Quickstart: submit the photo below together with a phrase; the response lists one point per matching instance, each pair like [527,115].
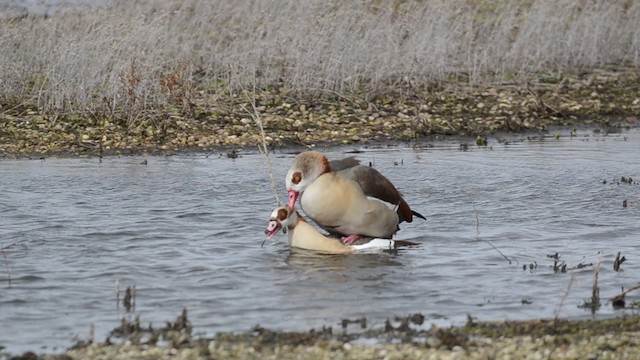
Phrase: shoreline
[400,337]
[210,123]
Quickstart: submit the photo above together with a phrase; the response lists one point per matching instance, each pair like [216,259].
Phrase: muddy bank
[205,121]
[399,338]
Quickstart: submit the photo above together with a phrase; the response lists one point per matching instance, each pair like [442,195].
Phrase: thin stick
[6,264]
[263,150]
[564,296]
[117,292]
[626,292]
[618,300]
[133,297]
[485,241]
[595,292]
[618,261]
[92,332]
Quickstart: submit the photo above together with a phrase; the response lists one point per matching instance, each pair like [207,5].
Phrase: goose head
[306,168]
[283,217]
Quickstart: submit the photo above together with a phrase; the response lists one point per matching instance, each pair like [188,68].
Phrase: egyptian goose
[303,235]
[346,198]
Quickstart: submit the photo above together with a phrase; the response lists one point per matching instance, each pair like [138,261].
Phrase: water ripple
[186,231]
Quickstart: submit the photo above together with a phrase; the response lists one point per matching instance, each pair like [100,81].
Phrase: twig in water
[564,296]
[117,292]
[6,265]
[134,296]
[92,332]
[618,261]
[263,150]
[129,301]
[594,303]
[618,300]
[485,241]
[561,265]
[595,291]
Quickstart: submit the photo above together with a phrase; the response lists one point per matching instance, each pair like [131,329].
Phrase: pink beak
[272,229]
[293,196]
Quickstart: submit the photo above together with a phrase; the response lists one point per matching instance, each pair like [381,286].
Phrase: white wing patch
[375,245]
[391,206]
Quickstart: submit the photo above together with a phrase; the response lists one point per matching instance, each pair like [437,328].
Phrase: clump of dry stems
[131,56]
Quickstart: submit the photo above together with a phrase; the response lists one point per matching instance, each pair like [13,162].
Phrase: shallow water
[187,229]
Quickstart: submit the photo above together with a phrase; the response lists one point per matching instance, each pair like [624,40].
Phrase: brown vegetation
[173,73]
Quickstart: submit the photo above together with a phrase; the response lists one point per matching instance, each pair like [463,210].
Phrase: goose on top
[346,198]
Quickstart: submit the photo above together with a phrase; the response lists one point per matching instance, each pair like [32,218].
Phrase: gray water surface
[187,229]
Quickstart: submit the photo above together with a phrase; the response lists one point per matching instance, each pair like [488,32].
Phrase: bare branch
[264,150]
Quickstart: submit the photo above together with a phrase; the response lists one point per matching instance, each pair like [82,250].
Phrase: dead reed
[129,57]
[595,289]
[564,296]
[618,261]
[129,300]
[477,216]
[619,302]
[262,146]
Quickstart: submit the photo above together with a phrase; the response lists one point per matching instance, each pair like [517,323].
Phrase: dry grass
[133,56]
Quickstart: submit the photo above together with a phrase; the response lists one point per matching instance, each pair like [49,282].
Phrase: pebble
[391,118]
[623,345]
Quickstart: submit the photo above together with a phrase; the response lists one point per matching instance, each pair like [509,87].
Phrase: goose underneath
[303,235]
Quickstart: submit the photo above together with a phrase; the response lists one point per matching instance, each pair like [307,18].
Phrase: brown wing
[376,185]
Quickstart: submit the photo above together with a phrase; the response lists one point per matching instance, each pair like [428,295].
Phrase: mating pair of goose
[349,200]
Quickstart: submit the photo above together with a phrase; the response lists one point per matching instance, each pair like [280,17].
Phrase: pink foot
[348,240]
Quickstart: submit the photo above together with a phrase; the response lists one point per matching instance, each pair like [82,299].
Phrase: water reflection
[309,261]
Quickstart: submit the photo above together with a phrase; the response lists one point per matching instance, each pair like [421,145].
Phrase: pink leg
[348,240]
